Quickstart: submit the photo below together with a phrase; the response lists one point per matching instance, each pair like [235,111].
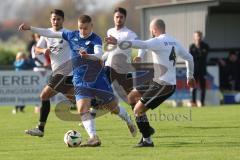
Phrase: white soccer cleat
[35,132]
[133,129]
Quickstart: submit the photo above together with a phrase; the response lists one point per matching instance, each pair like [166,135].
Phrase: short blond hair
[84,19]
[20,55]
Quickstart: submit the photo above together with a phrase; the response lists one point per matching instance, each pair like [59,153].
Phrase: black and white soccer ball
[72,138]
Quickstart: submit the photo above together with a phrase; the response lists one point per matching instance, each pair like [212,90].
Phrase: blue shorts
[99,89]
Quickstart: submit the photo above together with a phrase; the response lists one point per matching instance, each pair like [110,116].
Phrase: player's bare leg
[141,118]
[45,95]
[70,96]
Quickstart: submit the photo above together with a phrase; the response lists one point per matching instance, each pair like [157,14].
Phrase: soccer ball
[72,138]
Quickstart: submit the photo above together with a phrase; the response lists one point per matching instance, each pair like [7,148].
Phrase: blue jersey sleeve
[97,40]
[66,35]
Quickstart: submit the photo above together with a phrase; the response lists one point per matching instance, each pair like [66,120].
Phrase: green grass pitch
[209,133]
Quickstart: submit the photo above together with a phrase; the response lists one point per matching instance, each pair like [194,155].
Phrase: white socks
[89,124]
[148,140]
[124,115]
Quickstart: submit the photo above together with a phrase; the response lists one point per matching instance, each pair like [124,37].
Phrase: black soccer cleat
[152,131]
[141,143]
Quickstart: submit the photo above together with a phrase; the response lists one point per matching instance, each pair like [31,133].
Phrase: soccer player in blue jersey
[89,79]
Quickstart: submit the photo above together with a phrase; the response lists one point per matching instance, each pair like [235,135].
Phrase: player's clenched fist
[24,27]
[110,40]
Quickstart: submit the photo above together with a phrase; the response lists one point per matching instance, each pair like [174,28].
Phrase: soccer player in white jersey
[89,78]
[117,61]
[164,51]
[61,78]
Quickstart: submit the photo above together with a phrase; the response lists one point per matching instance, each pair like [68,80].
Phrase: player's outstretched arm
[24,27]
[184,54]
[148,44]
[41,31]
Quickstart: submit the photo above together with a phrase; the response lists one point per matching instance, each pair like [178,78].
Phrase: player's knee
[131,99]
[136,112]
[44,96]
[82,109]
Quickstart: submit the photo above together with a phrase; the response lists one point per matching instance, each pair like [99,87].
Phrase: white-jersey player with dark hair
[164,51]
[118,61]
[61,78]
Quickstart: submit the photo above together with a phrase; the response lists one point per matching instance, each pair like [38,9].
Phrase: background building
[217,19]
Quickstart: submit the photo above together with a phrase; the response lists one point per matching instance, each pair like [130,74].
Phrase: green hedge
[7,57]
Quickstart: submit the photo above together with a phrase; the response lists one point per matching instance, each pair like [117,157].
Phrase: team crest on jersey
[87,43]
[75,39]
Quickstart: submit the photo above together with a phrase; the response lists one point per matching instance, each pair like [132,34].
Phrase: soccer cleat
[35,132]
[152,131]
[140,143]
[92,142]
[194,104]
[133,129]
[144,144]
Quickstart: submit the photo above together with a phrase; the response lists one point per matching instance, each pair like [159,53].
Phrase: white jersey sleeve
[46,32]
[98,51]
[152,44]
[133,36]
[184,54]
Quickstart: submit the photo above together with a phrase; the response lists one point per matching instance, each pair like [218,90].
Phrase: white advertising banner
[23,87]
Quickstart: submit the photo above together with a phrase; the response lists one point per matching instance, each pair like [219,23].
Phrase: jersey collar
[85,37]
[123,28]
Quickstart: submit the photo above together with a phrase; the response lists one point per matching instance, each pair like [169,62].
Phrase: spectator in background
[230,73]
[30,45]
[22,63]
[199,51]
